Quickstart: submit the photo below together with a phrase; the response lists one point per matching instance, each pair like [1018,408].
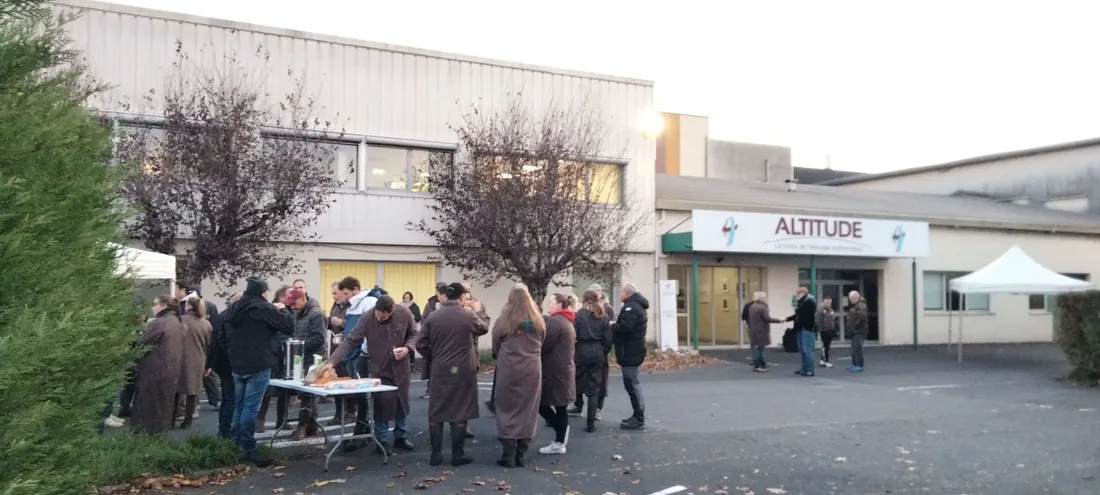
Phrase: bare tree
[528,197]
[236,175]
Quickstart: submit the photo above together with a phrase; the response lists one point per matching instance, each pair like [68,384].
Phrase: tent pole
[950,337]
[960,343]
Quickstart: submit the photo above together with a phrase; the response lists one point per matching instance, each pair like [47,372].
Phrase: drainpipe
[914,265]
[657,219]
[695,301]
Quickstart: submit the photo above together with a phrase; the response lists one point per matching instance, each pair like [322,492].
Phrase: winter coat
[433,304]
[252,327]
[158,375]
[859,322]
[415,310]
[309,326]
[217,358]
[760,320]
[590,358]
[359,304]
[804,313]
[196,344]
[629,331]
[559,372]
[400,330]
[447,341]
[825,320]
[518,380]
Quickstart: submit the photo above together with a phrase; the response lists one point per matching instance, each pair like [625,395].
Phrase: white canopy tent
[145,265]
[1013,273]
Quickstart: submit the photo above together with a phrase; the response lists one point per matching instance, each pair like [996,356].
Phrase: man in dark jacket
[858,326]
[309,327]
[252,325]
[217,362]
[628,338]
[804,314]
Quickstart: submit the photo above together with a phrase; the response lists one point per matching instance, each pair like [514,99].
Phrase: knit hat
[294,294]
[256,286]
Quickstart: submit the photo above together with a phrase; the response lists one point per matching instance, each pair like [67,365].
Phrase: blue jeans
[400,428]
[227,407]
[806,341]
[758,356]
[248,392]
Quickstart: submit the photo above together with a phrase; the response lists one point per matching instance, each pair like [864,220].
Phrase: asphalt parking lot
[915,422]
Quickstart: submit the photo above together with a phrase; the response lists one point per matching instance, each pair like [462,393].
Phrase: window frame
[1048,299]
[409,169]
[946,294]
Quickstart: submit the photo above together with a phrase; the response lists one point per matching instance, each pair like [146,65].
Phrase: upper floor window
[404,169]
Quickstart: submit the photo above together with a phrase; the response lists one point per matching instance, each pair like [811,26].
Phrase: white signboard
[667,312]
[744,232]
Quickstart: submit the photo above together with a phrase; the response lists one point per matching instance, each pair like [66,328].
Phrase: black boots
[458,444]
[593,411]
[509,455]
[357,443]
[521,451]
[435,434]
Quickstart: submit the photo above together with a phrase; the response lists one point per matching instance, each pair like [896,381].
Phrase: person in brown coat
[433,303]
[517,344]
[196,343]
[390,331]
[760,330]
[158,372]
[447,341]
[559,385]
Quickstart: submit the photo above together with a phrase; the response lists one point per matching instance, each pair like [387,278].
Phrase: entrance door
[726,307]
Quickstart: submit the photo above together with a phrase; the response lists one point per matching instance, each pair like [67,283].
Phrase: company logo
[729,230]
[899,238]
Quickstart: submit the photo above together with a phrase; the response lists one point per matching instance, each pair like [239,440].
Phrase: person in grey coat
[309,327]
[857,327]
[760,330]
[825,321]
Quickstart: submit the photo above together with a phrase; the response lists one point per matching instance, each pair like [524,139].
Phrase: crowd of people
[548,363]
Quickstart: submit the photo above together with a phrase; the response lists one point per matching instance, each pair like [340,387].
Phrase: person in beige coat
[760,330]
[517,344]
[196,343]
[559,372]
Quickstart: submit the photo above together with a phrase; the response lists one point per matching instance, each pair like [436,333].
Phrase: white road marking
[670,490]
[928,387]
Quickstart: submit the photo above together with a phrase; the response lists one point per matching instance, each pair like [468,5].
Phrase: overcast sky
[877,85]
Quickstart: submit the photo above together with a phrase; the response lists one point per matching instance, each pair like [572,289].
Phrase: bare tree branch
[529,198]
[211,174]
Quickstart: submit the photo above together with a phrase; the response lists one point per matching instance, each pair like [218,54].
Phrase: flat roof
[977,160]
[675,192]
[324,38]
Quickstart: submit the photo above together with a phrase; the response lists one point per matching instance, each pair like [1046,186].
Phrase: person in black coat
[217,364]
[593,326]
[804,315]
[628,338]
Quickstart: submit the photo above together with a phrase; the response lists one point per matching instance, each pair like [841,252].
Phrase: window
[402,169]
[938,297]
[345,157]
[1046,302]
[606,183]
[140,142]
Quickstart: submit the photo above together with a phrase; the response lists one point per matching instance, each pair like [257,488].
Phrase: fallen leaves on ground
[278,490]
[400,475]
[278,474]
[349,468]
[426,482]
[319,483]
[503,486]
[391,485]
[671,360]
[159,483]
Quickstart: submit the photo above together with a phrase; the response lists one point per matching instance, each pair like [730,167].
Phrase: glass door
[682,276]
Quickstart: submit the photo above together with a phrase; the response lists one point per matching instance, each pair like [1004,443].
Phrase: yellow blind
[335,271]
[607,183]
[417,278]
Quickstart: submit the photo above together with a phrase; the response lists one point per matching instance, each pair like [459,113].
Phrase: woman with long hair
[197,333]
[517,344]
[593,327]
[558,370]
[158,371]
